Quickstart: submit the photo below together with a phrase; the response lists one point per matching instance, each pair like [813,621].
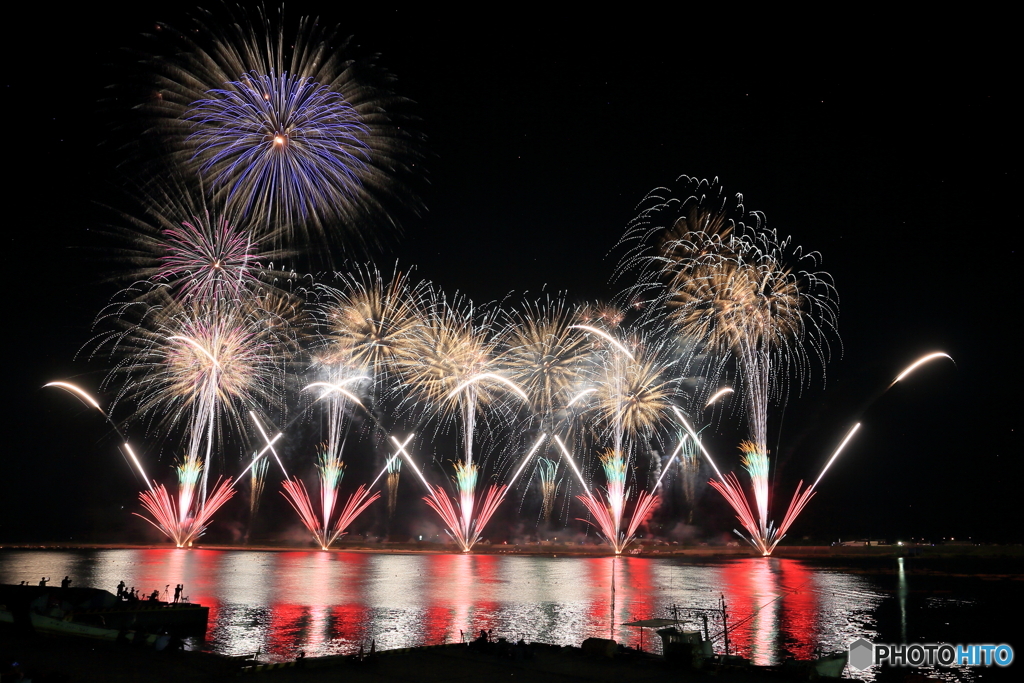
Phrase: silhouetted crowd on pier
[133,595]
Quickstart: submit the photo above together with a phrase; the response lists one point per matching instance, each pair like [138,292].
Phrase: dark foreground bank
[66,660]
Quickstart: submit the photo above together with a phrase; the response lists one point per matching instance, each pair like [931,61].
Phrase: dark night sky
[889,150]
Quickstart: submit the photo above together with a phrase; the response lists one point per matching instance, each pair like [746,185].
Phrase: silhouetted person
[177,592]
[155,595]
[42,581]
[66,583]
[120,591]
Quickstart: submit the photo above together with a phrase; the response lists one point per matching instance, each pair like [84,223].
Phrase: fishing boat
[693,648]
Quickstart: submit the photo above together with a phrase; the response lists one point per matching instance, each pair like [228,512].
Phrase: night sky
[888,145]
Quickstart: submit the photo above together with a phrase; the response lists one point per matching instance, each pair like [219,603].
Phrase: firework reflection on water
[334,602]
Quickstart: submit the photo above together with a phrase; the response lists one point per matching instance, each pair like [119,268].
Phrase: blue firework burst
[280,139]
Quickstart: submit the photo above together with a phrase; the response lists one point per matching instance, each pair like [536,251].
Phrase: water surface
[280,603]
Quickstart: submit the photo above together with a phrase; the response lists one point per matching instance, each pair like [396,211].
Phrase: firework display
[385,353]
[230,365]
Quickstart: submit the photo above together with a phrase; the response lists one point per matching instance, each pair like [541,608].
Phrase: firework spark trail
[269,442]
[257,482]
[614,467]
[730,488]
[394,469]
[849,435]
[494,378]
[465,480]
[257,457]
[671,460]
[607,337]
[572,464]
[408,458]
[298,497]
[330,387]
[718,394]
[442,505]
[438,499]
[78,391]
[549,485]
[689,463]
[395,461]
[802,497]
[90,401]
[138,465]
[354,506]
[755,462]
[921,361]
[188,476]
[496,495]
[331,470]
[579,396]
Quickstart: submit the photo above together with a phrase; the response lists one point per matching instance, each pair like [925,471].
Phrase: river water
[321,603]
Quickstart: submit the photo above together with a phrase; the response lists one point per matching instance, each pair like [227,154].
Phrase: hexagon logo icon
[861,654]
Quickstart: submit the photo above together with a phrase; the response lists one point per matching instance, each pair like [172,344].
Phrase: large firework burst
[635,390]
[368,322]
[738,291]
[187,248]
[281,126]
[546,354]
[193,365]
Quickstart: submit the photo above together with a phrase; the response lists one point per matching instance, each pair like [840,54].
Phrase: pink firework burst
[323,530]
[180,521]
[608,524]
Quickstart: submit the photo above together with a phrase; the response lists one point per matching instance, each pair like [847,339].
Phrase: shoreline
[697,553]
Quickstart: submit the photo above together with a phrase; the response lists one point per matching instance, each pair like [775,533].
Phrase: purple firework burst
[207,258]
[283,127]
[280,139]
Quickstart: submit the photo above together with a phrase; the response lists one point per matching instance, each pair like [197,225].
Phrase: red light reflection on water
[197,568]
[280,603]
[631,598]
[799,615]
[482,574]
[772,607]
[444,598]
[316,604]
[457,597]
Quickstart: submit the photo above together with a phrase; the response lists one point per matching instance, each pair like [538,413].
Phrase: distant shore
[695,553]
